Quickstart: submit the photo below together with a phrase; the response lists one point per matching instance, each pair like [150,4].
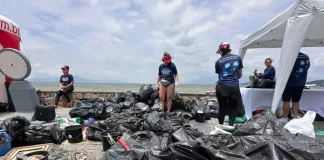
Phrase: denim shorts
[167,84]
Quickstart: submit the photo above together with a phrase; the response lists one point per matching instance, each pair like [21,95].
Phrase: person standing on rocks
[166,81]
[295,86]
[229,70]
[66,86]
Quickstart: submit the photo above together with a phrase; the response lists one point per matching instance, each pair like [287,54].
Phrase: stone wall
[48,97]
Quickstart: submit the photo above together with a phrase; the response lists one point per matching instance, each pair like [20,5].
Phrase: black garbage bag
[97,111]
[178,103]
[141,107]
[265,123]
[145,93]
[132,123]
[137,152]
[213,108]
[44,134]
[186,133]
[85,102]
[213,141]
[156,106]
[94,131]
[176,119]
[156,123]
[148,140]
[116,97]
[131,97]
[199,110]
[241,108]
[186,151]
[125,105]
[272,147]
[116,120]
[112,107]
[15,127]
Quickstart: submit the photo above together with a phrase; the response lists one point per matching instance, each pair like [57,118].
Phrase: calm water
[185,88]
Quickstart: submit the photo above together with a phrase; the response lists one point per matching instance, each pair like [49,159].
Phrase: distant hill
[317,82]
[77,79]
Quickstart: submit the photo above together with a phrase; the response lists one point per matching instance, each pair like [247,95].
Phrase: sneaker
[283,120]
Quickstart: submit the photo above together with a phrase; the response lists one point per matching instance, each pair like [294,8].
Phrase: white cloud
[125,39]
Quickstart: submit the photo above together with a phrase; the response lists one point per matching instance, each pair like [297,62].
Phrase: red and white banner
[9,38]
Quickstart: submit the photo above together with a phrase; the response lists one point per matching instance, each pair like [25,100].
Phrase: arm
[61,86]
[240,68]
[267,73]
[159,76]
[72,81]
[240,73]
[175,72]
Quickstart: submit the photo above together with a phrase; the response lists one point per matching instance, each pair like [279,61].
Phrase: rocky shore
[49,96]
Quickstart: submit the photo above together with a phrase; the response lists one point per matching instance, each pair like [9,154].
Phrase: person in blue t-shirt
[295,86]
[229,70]
[66,86]
[166,81]
[269,72]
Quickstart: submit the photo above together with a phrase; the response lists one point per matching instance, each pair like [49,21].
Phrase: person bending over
[66,86]
[295,86]
[229,70]
[166,81]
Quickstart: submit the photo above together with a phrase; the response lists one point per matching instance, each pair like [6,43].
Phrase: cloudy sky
[125,39]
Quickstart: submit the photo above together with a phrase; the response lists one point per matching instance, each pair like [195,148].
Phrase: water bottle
[5,143]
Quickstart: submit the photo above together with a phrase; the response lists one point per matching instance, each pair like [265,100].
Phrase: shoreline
[48,97]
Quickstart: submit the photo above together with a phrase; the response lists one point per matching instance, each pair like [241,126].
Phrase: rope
[33,67]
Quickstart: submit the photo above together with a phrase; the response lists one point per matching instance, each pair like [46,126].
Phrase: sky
[125,39]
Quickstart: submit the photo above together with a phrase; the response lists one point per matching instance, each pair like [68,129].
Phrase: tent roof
[272,34]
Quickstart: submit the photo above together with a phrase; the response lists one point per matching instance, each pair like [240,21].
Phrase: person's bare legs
[162,92]
[170,91]
[295,108]
[286,109]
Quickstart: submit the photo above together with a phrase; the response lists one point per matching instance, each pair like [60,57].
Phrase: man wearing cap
[229,70]
[66,86]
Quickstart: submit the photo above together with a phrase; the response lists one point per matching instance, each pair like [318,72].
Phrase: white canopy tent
[301,25]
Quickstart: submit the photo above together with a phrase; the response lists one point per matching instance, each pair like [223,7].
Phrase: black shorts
[292,94]
[223,91]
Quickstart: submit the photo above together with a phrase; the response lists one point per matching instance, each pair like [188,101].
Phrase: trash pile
[132,127]
[22,134]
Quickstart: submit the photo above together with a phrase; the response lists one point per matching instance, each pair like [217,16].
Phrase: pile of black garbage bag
[22,133]
[261,137]
[146,100]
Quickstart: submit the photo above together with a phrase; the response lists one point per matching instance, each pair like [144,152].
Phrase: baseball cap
[224,45]
[65,67]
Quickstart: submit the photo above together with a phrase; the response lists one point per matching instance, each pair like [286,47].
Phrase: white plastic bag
[303,125]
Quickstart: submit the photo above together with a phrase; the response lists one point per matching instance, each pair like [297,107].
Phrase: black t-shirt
[168,71]
[66,79]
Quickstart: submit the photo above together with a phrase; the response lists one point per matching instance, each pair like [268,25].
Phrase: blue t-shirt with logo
[298,75]
[227,67]
[66,79]
[168,71]
[269,73]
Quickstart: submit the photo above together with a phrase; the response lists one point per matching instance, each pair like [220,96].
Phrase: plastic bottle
[5,143]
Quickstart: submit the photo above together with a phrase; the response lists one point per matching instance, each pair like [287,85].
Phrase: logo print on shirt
[302,62]
[65,79]
[227,65]
[301,70]
[225,73]
[236,63]
[165,72]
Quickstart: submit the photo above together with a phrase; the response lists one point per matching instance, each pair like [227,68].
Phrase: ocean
[104,87]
